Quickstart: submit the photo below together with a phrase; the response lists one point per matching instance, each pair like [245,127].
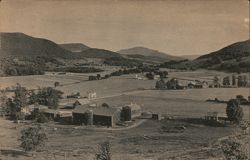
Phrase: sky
[177,27]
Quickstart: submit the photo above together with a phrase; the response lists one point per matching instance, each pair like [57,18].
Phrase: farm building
[96,115]
[72,103]
[64,117]
[50,113]
[135,110]
[91,95]
[157,116]
[30,108]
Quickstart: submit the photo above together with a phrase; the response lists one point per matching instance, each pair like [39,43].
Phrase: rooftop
[110,111]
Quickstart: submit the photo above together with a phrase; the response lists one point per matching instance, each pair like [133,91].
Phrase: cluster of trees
[47,96]
[126,71]
[15,104]
[150,75]
[239,67]
[162,74]
[22,97]
[170,64]
[22,70]
[170,84]
[242,81]
[121,61]
[76,69]
[97,77]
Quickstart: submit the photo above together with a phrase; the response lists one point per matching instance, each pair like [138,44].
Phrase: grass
[165,139]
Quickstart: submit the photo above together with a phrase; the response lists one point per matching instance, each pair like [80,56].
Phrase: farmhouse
[96,115]
[91,95]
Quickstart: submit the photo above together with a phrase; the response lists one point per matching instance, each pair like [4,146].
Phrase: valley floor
[182,137]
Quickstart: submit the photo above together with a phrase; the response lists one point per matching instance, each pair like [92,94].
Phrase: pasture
[165,139]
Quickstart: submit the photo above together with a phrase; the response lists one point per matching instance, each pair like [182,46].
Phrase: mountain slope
[148,54]
[98,53]
[190,57]
[239,49]
[232,58]
[74,47]
[19,44]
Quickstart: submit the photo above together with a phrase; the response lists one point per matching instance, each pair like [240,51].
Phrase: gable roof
[110,111]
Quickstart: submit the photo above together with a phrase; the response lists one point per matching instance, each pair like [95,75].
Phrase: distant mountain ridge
[74,47]
[148,53]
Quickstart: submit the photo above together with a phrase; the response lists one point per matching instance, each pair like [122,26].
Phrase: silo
[89,117]
[126,113]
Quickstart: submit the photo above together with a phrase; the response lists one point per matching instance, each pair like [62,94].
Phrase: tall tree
[20,97]
[160,84]
[3,102]
[226,81]
[234,111]
[233,80]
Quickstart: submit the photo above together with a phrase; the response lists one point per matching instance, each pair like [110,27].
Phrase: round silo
[126,113]
[89,117]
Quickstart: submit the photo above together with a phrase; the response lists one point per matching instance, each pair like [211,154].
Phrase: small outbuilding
[135,110]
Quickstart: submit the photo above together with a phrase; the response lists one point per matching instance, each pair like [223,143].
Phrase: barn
[96,115]
[106,116]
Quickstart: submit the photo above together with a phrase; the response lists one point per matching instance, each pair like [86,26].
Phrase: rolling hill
[74,47]
[145,54]
[232,58]
[19,44]
[98,53]
[21,54]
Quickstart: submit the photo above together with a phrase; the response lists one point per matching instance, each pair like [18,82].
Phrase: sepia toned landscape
[122,98]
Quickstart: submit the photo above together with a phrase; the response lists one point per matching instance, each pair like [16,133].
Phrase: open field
[158,140]
[166,139]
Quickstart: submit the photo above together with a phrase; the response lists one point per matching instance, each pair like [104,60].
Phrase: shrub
[104,151]
[33,138]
